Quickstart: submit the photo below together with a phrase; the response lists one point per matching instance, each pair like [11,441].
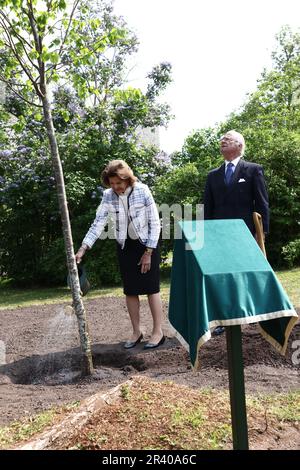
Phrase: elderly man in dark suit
[236,189]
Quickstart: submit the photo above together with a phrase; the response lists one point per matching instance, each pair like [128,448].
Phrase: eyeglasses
[229,139]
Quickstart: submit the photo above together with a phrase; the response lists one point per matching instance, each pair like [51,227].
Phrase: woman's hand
[145,262]
[263,237]
[80,254]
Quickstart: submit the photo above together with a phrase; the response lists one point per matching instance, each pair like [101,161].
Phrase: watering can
[83,280]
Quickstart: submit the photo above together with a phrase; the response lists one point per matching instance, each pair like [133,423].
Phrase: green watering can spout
[83,280]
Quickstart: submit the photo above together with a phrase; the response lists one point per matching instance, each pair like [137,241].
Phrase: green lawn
[12,298]
[291,283]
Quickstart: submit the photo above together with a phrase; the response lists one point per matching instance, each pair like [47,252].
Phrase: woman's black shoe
[132,344]
[155,345]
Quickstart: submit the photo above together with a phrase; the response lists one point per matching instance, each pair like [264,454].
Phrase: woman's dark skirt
[134,282]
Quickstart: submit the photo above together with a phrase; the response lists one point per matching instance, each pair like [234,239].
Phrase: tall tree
[275,102]
[35,38]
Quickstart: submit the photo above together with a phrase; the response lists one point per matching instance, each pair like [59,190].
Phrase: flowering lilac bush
[95,119]
[31,246]
[27,202]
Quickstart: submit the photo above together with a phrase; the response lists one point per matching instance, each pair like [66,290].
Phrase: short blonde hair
[118,168]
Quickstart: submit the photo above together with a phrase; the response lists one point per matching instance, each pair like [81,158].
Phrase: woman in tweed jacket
[131,206]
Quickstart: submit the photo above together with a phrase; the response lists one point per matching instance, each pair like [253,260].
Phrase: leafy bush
[291,253]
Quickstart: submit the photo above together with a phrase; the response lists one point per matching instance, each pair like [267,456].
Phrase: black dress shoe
[219,330]
[132,344]
[155,345]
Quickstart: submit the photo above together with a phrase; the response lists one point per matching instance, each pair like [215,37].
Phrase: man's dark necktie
[229,173]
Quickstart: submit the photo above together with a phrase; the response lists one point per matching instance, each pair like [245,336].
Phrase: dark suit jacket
[241,198]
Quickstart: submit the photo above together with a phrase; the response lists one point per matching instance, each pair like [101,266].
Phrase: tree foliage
[270,123]
[96,118]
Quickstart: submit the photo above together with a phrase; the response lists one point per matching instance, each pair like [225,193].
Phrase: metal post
[237,388]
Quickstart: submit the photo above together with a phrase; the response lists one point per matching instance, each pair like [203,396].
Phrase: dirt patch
[188,419]
[42,358]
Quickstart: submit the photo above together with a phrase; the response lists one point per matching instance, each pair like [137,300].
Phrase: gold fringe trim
[248,320]
[281,349]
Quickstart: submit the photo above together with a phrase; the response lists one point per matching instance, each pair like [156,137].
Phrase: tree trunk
[87,364]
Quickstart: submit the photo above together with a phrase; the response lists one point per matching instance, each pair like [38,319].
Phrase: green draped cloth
[226,280]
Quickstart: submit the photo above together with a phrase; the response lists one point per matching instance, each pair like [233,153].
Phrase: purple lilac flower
[6,153]
[25,150]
